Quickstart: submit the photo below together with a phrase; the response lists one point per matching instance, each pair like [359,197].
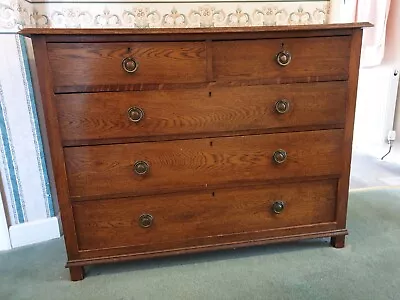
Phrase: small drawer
[153,167]
[116,65]
[185,219]
[299,59]
[95,117]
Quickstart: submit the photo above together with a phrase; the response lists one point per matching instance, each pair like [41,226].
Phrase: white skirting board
[4,236]
[34,232]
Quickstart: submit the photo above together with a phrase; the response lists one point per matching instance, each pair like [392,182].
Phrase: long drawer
[108,64]
[101,116]
[188,217]
[310,58]
[154,167]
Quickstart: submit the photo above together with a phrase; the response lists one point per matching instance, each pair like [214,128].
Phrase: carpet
[367,268]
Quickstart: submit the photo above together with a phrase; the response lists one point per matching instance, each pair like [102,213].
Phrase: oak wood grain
[195,85]
[99,117]
[281,235]
[101,63]
[190,31]
[202,163]
[208,134]
[211,134]
[227,36]
[247,60]
[115,223]
[343,186]
[54,153]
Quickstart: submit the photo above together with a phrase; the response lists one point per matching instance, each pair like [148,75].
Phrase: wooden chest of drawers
[170,141]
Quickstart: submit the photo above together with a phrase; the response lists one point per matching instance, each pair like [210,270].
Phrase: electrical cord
[390,149]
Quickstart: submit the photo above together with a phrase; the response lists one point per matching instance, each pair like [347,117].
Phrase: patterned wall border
[20,13]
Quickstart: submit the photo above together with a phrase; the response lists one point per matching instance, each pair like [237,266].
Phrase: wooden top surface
[135,31]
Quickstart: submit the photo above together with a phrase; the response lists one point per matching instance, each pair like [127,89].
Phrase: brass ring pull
[278,207]
[282,106]
[130,65]
[135,114]
[141,167]
[283,58]
[146,220]
[280,156]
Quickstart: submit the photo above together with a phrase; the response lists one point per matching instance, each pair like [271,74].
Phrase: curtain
[374,39]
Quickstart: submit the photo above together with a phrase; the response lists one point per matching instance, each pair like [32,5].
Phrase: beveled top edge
[151,31]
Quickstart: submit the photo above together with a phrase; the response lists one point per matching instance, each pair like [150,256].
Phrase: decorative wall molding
[19,13]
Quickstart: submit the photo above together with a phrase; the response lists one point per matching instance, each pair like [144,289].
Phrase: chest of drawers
[171,141]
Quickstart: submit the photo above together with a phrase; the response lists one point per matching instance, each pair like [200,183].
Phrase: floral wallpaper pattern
[15,14]
[19,13]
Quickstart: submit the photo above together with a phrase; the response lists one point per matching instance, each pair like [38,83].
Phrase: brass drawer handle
[282,106]
[130,65]
[280,156]
[146,220]
[283,58]
[278,207]
[141,167]
[135,114]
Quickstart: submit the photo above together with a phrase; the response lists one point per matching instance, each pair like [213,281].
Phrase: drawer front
[154,220]
[99,116]
[257,60]
[200,164]
[101,64]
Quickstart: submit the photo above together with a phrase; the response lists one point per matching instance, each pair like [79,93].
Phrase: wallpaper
[22,163]
[18,13]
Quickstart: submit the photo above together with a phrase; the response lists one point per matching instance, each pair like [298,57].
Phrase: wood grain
[102,116]
[114,223]
[227,36]
[343,186]
[322,56]
[200,164]
[209,134]
[195,85]
[191,31]
[101,63]
[237,241]
[54,153]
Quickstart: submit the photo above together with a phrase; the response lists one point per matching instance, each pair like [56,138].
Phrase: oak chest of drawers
[170,141]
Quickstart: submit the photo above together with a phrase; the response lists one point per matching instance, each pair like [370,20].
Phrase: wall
[392,57]
[376,96]
[178,14]
[377,92]
[23,170]
[4,235]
